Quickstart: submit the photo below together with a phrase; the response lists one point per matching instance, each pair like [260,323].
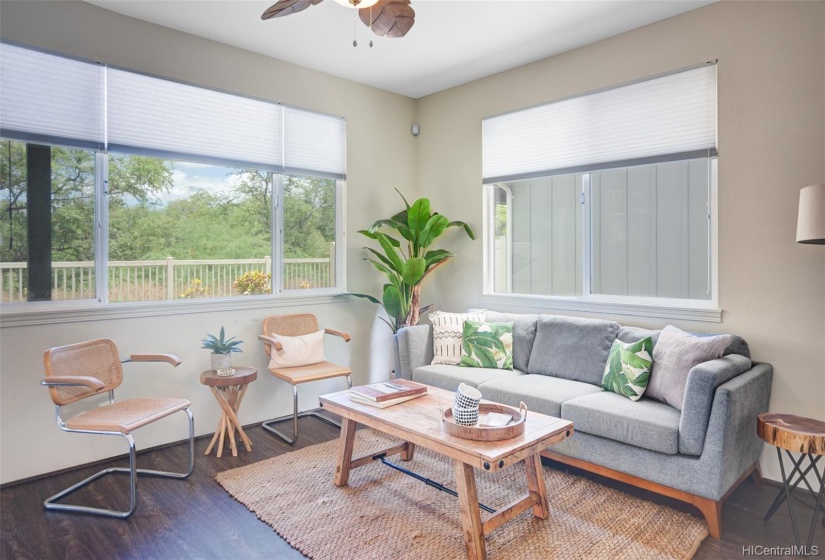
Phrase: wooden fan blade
[286,7]
[392,18]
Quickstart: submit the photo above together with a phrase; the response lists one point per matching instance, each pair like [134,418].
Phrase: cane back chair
[84,369]
[299,325]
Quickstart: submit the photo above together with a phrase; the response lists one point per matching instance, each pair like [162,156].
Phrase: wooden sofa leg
[712,510]
[757,474]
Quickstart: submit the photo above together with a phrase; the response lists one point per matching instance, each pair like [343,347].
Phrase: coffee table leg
[408,452]
[470,515]
[536,486]
[345,445]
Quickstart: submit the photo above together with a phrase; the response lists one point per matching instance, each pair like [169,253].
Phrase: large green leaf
[407,204]
[364,296]
[391,274]
[381,257]
[436,256]
[386,223]
[390,239]
[414,270]
[401,217]
[466,227]
[392,254]
[392,300]
[418,215]
[435,227]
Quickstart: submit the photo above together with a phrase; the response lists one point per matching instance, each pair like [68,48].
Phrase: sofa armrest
[700,389]
[413,348]
[732,444]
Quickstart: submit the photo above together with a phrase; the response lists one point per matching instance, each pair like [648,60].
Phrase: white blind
[48,98]
[147,114]
[673,114]
[314,143]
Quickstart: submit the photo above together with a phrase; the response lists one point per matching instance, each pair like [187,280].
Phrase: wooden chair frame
[96,386]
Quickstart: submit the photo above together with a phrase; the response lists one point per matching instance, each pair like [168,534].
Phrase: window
[195,193]
[47,216]
[608,197]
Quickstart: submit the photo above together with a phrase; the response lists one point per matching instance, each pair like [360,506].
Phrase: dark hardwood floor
[196,518]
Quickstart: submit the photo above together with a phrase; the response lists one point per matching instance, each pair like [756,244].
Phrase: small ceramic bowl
[467,396]
[465,416]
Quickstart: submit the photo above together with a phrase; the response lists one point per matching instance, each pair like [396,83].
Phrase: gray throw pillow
[572,347]
[675,354]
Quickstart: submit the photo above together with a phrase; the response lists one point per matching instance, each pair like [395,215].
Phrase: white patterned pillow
[447,331]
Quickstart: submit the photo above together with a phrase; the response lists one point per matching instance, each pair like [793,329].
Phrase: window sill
[668,309]
[48,313]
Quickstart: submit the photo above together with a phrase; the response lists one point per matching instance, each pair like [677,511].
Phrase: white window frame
[669,308]
[47,312]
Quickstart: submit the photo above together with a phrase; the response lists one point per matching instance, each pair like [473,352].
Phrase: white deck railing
[150,280]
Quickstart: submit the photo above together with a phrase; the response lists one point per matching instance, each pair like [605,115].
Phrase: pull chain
[354,41]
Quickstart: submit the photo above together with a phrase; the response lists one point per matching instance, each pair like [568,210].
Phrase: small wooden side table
[229,392]
[805,436]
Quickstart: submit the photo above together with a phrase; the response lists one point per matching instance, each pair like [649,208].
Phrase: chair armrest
[270,341]
[343,335]
[74,381]
[168,358]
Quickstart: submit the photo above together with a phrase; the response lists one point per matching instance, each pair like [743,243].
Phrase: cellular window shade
[170,119]
[673,114]
[50,99]
[314,144]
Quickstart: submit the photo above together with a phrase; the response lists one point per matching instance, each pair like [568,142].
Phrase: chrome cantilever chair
[77,371]
[299,325]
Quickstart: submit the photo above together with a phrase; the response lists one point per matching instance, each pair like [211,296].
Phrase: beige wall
[377,122]
[771,143]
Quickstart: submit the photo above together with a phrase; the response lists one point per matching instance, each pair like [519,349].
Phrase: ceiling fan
[393,18]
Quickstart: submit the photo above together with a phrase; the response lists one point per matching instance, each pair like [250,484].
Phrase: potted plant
[406,260]
[221,349]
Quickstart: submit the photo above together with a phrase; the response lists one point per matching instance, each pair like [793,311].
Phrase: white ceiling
[451,43]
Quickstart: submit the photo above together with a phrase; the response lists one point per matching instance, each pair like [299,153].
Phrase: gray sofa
[698,455]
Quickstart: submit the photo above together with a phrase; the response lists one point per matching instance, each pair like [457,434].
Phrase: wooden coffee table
[418,423]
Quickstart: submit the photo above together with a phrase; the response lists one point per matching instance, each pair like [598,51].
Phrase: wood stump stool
[805,436]
[229,392]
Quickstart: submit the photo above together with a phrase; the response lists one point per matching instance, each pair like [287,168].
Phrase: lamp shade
[810,226]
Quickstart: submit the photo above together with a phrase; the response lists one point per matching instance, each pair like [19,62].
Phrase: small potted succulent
[221,349]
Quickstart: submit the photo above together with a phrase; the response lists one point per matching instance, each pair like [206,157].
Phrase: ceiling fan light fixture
[357,4]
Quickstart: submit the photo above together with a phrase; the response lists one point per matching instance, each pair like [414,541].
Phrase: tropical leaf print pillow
[488,345]
[628,368]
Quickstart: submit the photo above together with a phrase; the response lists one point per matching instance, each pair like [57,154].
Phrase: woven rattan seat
[299,325]
[84,369]
[125,416]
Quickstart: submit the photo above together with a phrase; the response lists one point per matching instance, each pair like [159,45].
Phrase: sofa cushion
[674,356]
[449,376]
[524,334]
[738,345]
[447,329]
[644,423]
[572,347]
[486,344]
[635,334]
[541,393]
[628,368]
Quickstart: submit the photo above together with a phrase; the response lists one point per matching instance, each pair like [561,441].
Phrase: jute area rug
[384,514]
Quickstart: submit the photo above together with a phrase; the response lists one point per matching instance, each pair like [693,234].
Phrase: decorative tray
[486,433]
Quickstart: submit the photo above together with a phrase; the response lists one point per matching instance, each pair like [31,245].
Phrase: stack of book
[387,393]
